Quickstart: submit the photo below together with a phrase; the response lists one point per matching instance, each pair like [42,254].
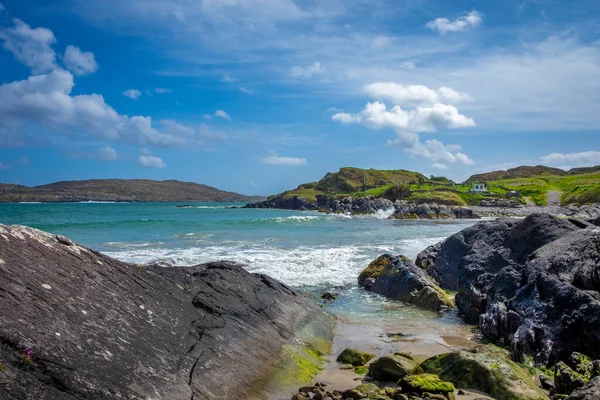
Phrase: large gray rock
[100,328]
[398,278]
[392,368]
[531,285]
[406,210]
[591,391]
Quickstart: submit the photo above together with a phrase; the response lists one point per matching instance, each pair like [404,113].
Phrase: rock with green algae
[361,370]
[591,391]
[488,369]
[355,357]
[566,380]
[425,383]
[400,279]
[584,365]
[374,268]
[392,368]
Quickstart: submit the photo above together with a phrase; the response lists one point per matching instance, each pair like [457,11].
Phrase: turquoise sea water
[308,250]
[299,248]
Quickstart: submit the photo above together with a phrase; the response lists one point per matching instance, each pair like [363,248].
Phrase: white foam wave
[412,247]
[97,202]
[384,214]
[30,202]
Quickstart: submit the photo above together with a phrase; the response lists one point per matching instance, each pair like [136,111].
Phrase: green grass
[438,196]
[576,189]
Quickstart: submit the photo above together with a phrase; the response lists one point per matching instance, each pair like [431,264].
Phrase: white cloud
[228,79]
[414,94]
[439,166]
[32,47]
[201,134]
[247,91]
[46,100]
[207,116]
[307,72]
[151,161]
[222,114]
[583,159]
[473,19]
[428,116]
[408,65]
[163,90]
[79,62]
[133,94]
[274,159]
[107,154]
[4,167]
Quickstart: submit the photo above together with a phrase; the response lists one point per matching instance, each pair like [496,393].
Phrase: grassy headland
[578,186]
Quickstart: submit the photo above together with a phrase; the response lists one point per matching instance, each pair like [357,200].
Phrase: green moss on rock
[374,269]
[354,357]
[425,383]
[393,368]
[361,370]
[566,380]
[488,369]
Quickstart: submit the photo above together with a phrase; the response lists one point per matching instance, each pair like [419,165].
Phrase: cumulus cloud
[107,154]
[222,114]
[133,94]
[79,62]
[146,159]
[46,99]
[274,159]
[439,166]
[307,72]
[429,115]
[473,19]
[32,47]
[414,94]
[583,159]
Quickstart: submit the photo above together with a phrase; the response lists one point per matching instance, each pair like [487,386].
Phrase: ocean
[310,251]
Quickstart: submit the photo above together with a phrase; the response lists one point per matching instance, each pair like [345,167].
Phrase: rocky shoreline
[75,324]
[530,285]
[401,209]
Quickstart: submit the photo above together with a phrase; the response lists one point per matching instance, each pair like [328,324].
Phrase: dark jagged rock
[591,391]
[100,328]
[285,203]
[531,285]
[406,210]
[398,278]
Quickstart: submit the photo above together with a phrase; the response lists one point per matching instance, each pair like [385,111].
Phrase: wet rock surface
[399,278]
[100,328]
[531,285]
[406,210]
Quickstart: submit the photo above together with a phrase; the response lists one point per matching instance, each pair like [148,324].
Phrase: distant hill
[134,190]
[518,172]
[584,170]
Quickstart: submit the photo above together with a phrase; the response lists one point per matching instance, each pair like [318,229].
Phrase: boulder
[402,280]
[354,357]
[486,369]
[566,380]
[429,383]
[392,368]
[100,328]
[590,391]
[531,285]
[406,210]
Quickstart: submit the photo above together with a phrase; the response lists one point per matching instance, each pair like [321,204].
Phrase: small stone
[461,392]
[46,286]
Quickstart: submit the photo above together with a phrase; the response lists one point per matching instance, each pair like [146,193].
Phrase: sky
[259,96]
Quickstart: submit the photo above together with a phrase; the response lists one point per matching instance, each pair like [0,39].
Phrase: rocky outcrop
[406,210]
[76,324]
[591,391]
[360,205]
[531,285]
[485,369]
[392,368]
[285,203]
[398,278]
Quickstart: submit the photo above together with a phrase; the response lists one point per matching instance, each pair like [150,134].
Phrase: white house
[479,188]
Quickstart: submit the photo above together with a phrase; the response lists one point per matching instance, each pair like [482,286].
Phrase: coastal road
[553,197]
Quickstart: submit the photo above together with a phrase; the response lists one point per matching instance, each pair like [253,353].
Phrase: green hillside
[532,184]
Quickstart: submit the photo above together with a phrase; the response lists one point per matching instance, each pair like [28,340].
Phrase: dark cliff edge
[99,328]
[121,190]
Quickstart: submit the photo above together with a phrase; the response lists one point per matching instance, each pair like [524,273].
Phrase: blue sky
[258,96]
